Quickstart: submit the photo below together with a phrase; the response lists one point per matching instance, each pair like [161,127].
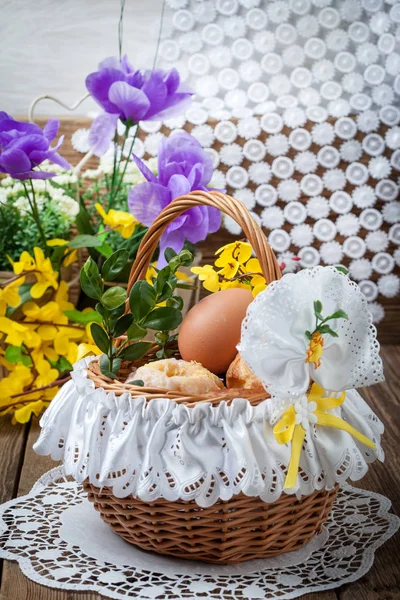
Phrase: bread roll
[239,375]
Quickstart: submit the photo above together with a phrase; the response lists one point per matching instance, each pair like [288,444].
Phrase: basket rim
[120,387]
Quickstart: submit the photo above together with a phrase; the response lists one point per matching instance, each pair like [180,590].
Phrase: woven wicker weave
[231,531]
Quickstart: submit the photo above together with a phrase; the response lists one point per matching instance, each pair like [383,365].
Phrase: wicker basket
[228,532]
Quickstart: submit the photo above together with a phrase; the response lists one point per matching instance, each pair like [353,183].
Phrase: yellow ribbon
[287,430]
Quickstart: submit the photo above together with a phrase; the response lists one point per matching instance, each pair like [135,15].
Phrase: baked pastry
[239,375]
[177,375]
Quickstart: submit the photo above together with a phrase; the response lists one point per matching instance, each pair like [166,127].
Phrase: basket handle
[231,207]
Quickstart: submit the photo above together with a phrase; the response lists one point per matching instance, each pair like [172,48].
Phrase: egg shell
[211,330]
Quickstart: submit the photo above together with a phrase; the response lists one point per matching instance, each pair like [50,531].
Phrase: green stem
[35,215]
[127,159]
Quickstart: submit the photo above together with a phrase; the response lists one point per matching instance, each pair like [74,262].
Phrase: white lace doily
[59,541]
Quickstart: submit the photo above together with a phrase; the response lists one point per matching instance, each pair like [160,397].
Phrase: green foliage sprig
[321,325]
[145,312]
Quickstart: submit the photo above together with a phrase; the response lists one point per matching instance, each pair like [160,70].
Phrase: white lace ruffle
[162,449]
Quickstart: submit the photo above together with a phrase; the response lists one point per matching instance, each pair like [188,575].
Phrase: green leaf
[90,280]
[104,364]
[113,297]
[162,278]
[83,222]
[100,337]
[327,329]
[122,325]
[169,254]
[24,291]
[163,319]
[116,365]
[342,270]
[114,265]
[15,354]
[66,191]
[136,332]
[308,335]
[64,365]
[175,302]
[339,314]
[135,351]
[83,318]
[105,249]
[186,258]
[85,241]
[142,299]
[317,307]
[137,382]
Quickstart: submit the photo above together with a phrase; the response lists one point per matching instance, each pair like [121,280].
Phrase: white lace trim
[161,449]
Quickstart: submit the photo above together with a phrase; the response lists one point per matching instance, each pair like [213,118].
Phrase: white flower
[218,180]
[331,253]
[357,173]
[231,225]
[324,230]
[337,40]
[302,235]
[307,26]
[249,128]
[39,185]
[305,162]
[188,42]
[368,121]
[234,27]
[393,64]
[353,83]
[389,285]
[379,23]
[334,179]
[288,261]
[220,57]
[348,225]
[68,207]
[293,56]
[311,185]
[294,117]
[277,144]
[323,70]
[323,133]
[383,94]
[80,140]
[282,167]
[272,217]
[367,53]
[271,123]
[350,10]
[391,212]
[377,312]
[383,263]
[280,85]
[371,219]
[22,204]
[354,247]
[176,4]
[295,213]
[203,134]
[386,190]
[309,97]
[278,11]
[309,256]
[360,269]
[247,197]
[7,181]
[3,196]
[373,144]
[318,207]
[254,150]
[231,154]
[204,12]
[250,71]
[364,196]
[379,167]
[65,179]
[289,190]
[339,108]
[396,256]
[260,172]
[377,241]
[264,41]
[392,138]
[328,157]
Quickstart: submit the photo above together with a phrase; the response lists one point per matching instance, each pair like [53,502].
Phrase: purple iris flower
[183,166]
[24,146]
[127,94]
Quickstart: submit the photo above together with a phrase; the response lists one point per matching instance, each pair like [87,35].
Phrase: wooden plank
[12,444]
[14,585]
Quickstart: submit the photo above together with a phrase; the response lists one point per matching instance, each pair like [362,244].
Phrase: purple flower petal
[111,62]
[178,185]
[99,83]
[132,103]
[144,169]
[61,161]
[101,133]
[156,91]
[15,161]
[146,201]
[170,239]
[50,130]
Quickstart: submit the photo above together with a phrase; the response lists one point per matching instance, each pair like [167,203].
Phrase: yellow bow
[288,429]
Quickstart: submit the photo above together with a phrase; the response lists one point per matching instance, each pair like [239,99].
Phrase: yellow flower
[239,251]
[56,242]
[315,350]
[121,221]
[229,270]
[16,382]
[225,285]
[9,295]
[47,374]
[45,275]
[18,333]
[61,297]
[70,256]
[25,263]
[23,414]
[208,276]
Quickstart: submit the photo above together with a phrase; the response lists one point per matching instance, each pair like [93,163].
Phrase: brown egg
[211,330]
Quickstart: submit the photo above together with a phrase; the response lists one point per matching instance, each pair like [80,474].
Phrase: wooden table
[20,467]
